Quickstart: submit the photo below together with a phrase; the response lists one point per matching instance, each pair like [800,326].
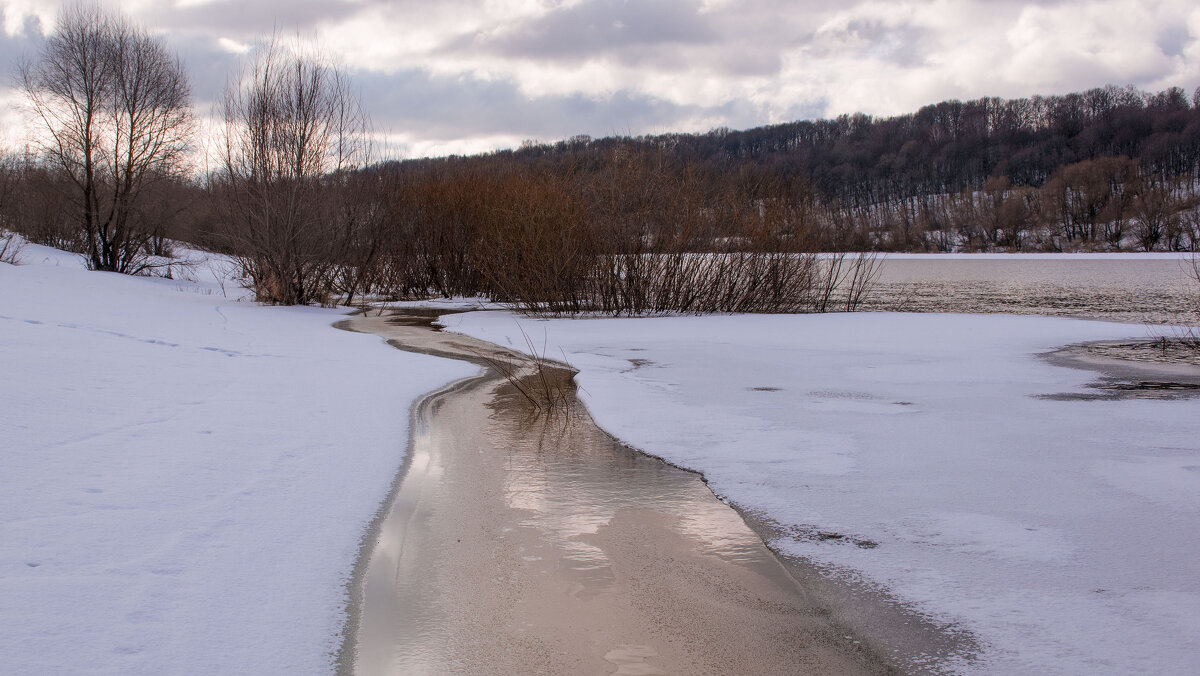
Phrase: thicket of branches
[292,205]
[643,236]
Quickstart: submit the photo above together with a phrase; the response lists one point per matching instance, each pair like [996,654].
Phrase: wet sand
[518,542]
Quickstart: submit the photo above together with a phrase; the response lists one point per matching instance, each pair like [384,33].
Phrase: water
[1139,290]
[526,542]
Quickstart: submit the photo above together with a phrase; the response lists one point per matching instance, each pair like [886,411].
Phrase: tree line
[723,221]
[1109,168]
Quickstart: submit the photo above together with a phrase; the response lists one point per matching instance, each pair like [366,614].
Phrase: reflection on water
[570,479]
[561,483]
[1134,290]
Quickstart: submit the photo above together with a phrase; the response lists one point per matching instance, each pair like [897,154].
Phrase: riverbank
[186,476]
[937,459]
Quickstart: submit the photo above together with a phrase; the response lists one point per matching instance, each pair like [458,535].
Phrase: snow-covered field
[1065,534]
[185,478]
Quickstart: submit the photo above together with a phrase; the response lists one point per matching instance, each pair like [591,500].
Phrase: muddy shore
[526,542]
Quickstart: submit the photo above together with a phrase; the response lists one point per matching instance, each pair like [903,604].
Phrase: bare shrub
[535,248]
[440,217]
[676,282]
[1156,208]
[632,234]
[844,280]
[366,235]
[36,208]
[10,242]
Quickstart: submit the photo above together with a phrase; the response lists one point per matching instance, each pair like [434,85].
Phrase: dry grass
[545,385]
[10,247]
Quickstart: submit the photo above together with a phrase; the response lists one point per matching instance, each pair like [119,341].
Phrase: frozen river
[934,458]
[1139,288]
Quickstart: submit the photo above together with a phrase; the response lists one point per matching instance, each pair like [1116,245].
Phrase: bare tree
[113,105]
[294,135]
[1155,212]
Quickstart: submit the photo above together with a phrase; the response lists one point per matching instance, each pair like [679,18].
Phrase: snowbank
[186,477]
[1065,534]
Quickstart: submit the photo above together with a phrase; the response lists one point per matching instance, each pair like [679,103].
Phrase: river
[1151,289]
[519,541]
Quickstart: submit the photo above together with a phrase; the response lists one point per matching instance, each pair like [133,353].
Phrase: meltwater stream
[522,543]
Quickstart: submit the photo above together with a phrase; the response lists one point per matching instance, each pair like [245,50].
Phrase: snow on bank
[1065,534]
[185,478]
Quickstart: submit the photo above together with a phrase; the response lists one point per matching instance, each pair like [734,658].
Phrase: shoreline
[1131,369]
[344,658]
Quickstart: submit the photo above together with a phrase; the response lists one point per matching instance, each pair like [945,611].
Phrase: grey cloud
[209,66]
[806,110]
[425,105]
[577,32]
[905,44]
[24,45]
[662,35]
[251,17]
[900,44]
[1173,39]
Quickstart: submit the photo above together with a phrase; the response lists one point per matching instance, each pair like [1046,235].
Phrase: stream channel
[519,541]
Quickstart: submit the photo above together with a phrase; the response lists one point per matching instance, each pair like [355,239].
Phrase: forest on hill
[1110,168]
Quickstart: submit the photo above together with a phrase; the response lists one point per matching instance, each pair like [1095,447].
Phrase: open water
[1134,289]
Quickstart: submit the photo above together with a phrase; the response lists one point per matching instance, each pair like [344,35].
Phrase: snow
[1065,534]
[186,476]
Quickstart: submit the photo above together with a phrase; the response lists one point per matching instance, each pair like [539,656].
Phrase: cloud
[1111,41]
[245,18]
[448,109]
[23,16]
[587,30]
[464,73]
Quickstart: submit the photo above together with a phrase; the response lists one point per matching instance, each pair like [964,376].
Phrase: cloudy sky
[459,76]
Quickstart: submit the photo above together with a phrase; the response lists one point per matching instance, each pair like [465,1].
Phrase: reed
[545,385]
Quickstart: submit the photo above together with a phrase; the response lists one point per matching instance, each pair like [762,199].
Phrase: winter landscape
[186,467]
[319,358]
